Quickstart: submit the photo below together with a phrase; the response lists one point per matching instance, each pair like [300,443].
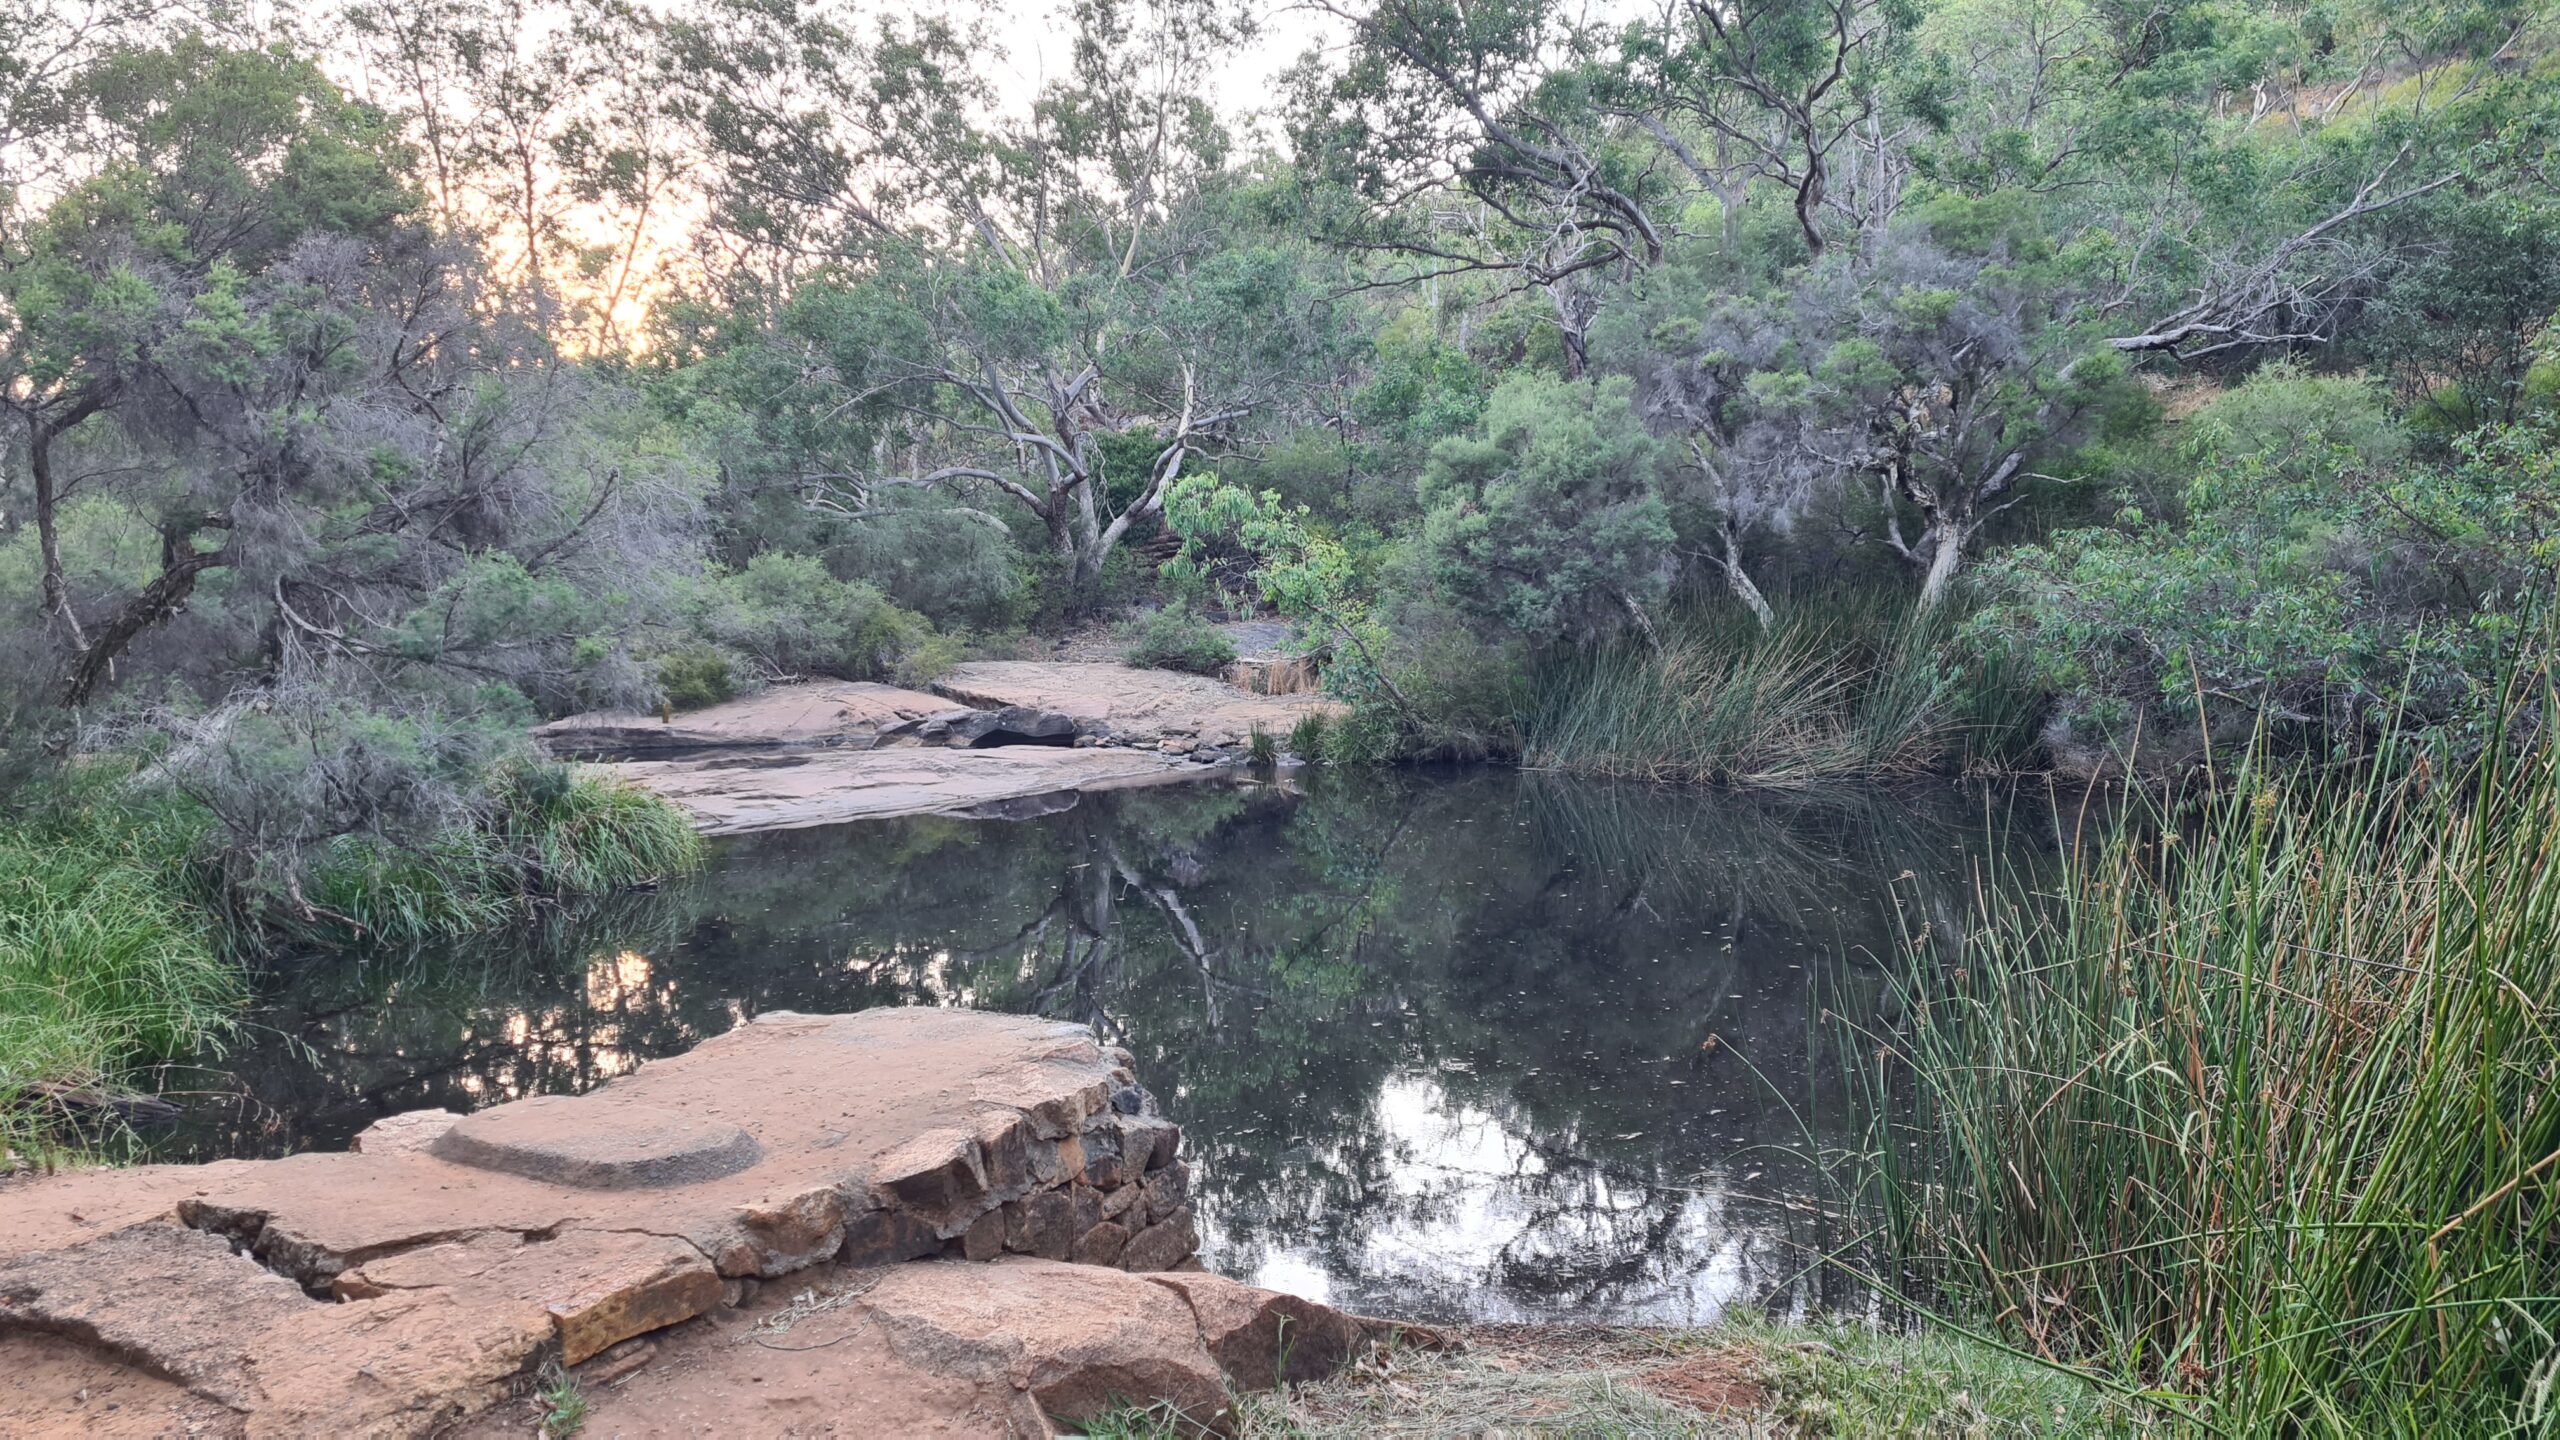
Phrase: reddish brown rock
[1134,706]
[791,791]
[1168,1190]
[400,1134]
[1043,1225]
[1261,1337]
[1163,1245]
[1101,1245]
[814,713]
[53,1386]
[655,1283]
[984,1240]
[558,1140]
[174,1299]
[406,1288]
[1079,1340]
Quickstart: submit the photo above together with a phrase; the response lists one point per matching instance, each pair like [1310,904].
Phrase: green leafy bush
[951,566]
[696,675]
[2315,577]
[336,822]
[792,617]
[1176,637]
[1549,521]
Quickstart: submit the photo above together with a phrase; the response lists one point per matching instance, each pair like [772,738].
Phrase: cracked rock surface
[1001,739]
[1133,706]
[815,713]
[413,1284]
[739,794]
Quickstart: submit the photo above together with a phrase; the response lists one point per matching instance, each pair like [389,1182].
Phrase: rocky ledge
[1002,739]
[763,1195]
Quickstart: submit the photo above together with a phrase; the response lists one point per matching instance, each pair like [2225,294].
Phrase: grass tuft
[105,962]
[555,831]
[1726,703]
[2263,1108]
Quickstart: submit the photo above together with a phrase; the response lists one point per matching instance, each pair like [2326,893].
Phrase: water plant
[104,961]
[1722,701]
[553,831]
[121,932]
[2260,1105]
[1306,738]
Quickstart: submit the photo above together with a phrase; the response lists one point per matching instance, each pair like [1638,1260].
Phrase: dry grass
[1739,1379]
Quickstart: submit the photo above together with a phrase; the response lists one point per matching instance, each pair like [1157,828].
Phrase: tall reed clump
[551,831]
[1809,699]
[106,961]
[2263,1107]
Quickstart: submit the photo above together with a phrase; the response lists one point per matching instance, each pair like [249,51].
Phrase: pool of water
[1461,1045]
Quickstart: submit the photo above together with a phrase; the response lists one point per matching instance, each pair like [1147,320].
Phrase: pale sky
[1035,37]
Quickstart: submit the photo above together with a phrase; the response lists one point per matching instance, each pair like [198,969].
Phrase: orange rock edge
[393,1290]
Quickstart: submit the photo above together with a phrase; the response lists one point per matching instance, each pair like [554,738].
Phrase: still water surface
[1456,1045]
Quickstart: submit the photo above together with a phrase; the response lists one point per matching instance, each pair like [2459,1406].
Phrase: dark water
[1462,1045]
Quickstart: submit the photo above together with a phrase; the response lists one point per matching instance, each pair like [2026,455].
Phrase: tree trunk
[1573,323]
[1739,581]
[166,595]
[42,431]
[1946,556]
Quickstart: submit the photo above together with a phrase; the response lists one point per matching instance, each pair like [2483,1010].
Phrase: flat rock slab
[393,1290]
[1136,707]
[735,795]
[619,1147]
[1020,1347]
[805,714]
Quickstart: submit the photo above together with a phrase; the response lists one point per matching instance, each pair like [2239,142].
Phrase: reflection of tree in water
[1475,1043]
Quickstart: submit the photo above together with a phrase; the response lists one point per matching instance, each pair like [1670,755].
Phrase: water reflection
[1469,1045]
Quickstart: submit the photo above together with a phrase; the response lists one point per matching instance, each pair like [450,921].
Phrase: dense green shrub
[792,617]
[1176,637]
[2314,577]
[1372,734]
[953,567]
[1549,521]
[329,819]
[695,675]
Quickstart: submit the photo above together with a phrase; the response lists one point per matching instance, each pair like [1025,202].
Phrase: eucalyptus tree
[1459,139]
[1719,370]
[1023,305]
[281,423]
[1969,365]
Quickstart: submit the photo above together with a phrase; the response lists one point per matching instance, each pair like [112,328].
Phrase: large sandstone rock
[1020,1347]
[1132,706]
[626,1147]
[1005,740]
[734,795]
[411,1285]
[807,714]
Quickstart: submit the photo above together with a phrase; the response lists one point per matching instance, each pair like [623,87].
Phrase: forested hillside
[382,379]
